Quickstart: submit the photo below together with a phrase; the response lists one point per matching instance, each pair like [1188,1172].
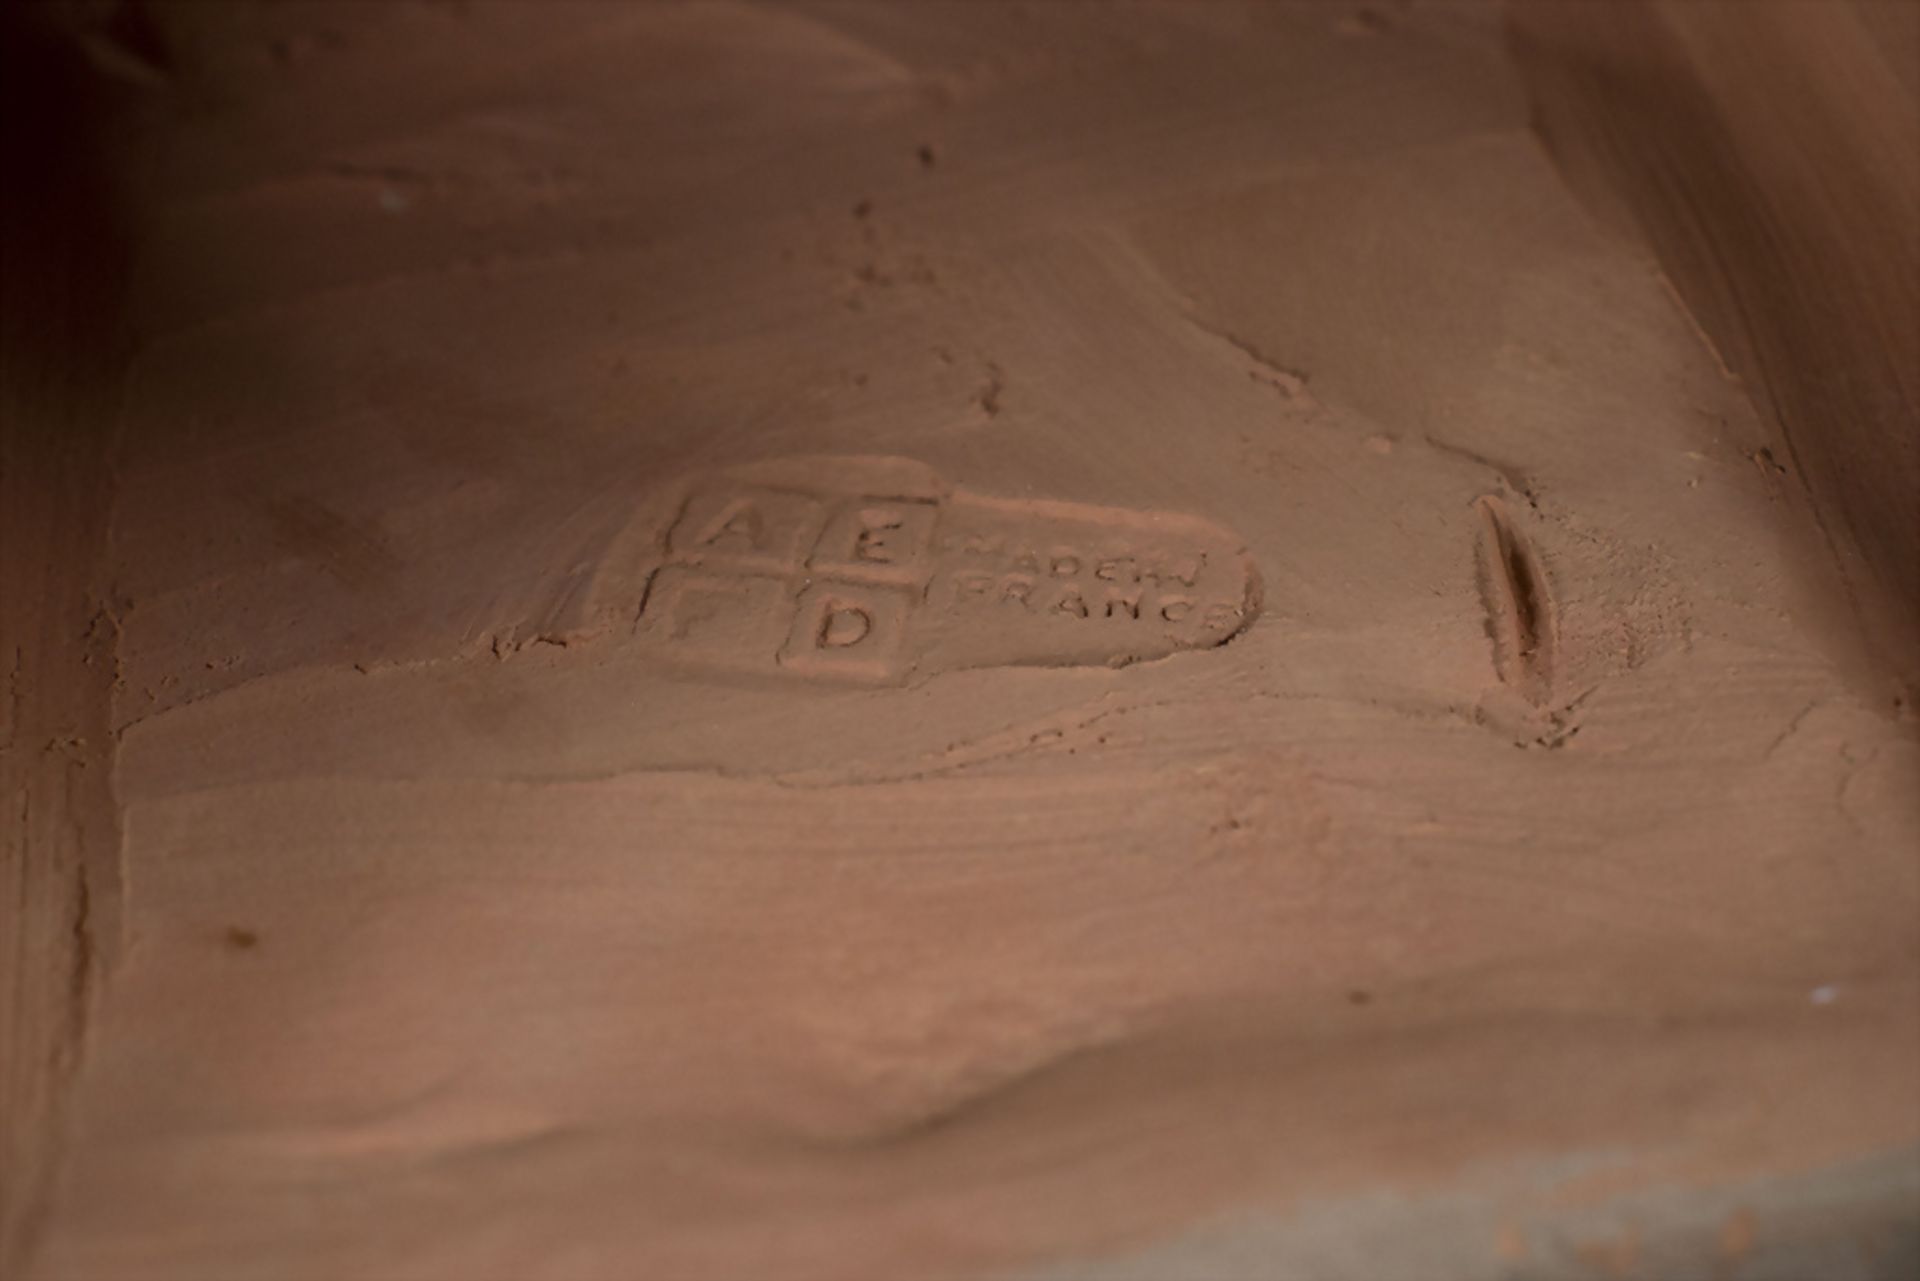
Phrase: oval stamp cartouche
[869,570]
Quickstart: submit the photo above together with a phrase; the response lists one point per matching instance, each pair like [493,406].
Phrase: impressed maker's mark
[869,570]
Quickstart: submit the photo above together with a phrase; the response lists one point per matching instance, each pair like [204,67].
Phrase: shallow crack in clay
[1521,620]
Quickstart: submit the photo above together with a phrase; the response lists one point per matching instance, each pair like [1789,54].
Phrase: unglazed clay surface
[883,641]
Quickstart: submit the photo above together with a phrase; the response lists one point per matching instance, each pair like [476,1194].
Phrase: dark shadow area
[1766,156]
[73,82]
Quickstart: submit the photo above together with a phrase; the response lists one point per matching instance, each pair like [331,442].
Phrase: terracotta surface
[1007,640]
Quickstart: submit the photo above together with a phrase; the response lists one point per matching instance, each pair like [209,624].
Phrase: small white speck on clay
[1825,994]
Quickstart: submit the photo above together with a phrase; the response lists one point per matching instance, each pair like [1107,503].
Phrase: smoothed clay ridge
[870,570]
